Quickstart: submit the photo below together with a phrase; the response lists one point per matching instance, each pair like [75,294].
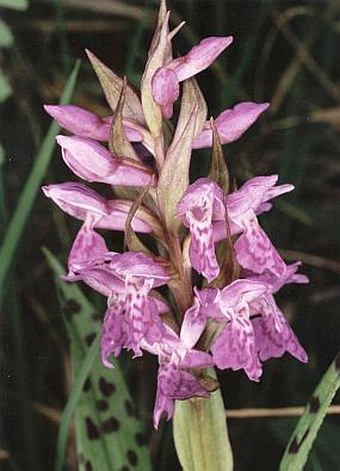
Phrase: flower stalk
[201,435]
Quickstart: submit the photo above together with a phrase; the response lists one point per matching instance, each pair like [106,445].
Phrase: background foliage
[284,52]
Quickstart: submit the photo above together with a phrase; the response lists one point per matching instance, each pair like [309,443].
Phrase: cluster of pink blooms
[200,318]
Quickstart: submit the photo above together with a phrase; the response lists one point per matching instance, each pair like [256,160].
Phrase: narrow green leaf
[200,434]
[219,170]
[6,36]
[5,88]
[33,182]
[108,433]
[119,145]
[2,155]
[300,444]
[14,4]
[131,240]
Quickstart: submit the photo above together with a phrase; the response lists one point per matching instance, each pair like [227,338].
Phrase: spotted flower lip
[254,328]
[176,355]
[133,317]
[93,162]
[202,202]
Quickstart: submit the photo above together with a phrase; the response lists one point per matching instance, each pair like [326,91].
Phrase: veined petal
[87,245]
[141,266]
[202,247]
[141,317]
[113,335]
[93,162]
[231,124]
[255,194]
[254,250]
[174,383]
[235,348]
[238,292]
[200,57]
[167,381]
[273,344]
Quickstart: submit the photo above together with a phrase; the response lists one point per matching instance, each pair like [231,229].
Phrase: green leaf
[108,433]
[31,188]
[112,87]
[5,88]
[14,4]
[2,155]
[6,37]
[200,434]
[300,444]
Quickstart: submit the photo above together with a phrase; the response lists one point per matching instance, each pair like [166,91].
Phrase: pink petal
[255,252]
[197,208]
[273,344]
[231,124]
[240,291]
[139,265]
[113,336]
[165,90]
[193,324]
[87,245]
[200,57]
[235,348]
[77,200]
[93,162]
[79,121]
[83,203]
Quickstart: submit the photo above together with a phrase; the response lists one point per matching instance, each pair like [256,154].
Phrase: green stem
[201,435]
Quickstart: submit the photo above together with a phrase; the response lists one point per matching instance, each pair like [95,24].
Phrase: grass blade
[33,182]
[300,444]
[14,4]
[73,400]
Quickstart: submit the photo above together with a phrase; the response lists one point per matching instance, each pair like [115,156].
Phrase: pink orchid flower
[165,81]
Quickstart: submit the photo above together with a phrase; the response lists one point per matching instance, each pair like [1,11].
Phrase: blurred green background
[285,52]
